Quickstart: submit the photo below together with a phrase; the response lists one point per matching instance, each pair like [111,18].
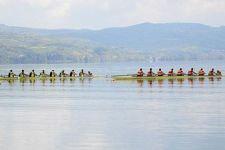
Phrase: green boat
[43,78]
[130,77]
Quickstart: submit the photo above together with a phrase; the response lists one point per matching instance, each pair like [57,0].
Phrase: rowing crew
[180,72]
[52,74]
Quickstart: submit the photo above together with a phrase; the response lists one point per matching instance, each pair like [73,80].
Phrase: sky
[98,14]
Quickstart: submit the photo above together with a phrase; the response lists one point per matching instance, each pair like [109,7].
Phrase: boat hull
[161,77]
[43,78]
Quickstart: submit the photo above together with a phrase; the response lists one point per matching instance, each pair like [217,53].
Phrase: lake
[101,114]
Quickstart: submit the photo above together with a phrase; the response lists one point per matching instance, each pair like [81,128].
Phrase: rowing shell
[43,78]
[128,77]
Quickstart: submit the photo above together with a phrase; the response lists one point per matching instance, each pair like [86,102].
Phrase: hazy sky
[108,13]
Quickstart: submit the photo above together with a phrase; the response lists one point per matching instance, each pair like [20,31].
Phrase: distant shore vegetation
[143,42]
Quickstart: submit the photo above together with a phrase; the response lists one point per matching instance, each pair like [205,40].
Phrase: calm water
[100,114]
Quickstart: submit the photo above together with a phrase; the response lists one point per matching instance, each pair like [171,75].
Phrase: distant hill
[174,41]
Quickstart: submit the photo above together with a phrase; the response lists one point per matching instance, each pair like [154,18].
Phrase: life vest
[43,74]
[32,74]
[21,75]
[72,74]
[11,75]
[62,74]
[52,74]
[81,74]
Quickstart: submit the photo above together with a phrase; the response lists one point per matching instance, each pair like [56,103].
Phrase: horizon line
[122,26]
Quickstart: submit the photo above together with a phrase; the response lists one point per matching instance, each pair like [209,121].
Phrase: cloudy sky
[96,14]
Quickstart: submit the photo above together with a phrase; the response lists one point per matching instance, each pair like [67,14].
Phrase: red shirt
[201,73]
[170,73]
[150,73]
[180,72]
[190,73]
[140,73]
[160,73]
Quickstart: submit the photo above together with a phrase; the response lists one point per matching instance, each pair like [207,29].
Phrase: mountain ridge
[164,41]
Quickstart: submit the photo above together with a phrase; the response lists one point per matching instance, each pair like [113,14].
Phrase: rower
[201,72]
[218,73]
[63,74]
[82,74]
[191,72]
[73,73]
[160,72]
[53,74]
[171,73]
[150,73]
[22,74]
[32,74]
[211,72]
[43,74]
[11,74]
[140,73]
[180,72]
[90,74]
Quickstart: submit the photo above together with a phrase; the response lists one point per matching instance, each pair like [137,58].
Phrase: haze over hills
[142,42]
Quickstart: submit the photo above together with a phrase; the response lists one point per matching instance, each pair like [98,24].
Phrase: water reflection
[172,81]
[52,81]
[150,82]
[107,115]
[160,82]
[191,81]
[11,82]
[140,82]
[32,81]
[180,81]
[43,81]
[72,81]
[201,80]
[22,81]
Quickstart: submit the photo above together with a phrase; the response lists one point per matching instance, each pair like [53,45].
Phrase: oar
[124,75]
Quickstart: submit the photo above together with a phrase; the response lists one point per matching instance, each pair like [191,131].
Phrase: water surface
[112,115]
